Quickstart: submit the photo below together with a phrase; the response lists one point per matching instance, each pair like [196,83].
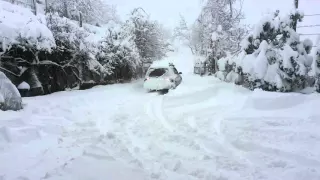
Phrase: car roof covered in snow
[161,64]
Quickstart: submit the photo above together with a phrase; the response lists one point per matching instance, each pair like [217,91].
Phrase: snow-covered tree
[149,36]
[315,71]
[93,11]
[222,16]
[118,54]
[183,33]
[273,57]
[216,32]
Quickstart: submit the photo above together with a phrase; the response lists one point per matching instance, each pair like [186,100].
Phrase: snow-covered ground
[204,129]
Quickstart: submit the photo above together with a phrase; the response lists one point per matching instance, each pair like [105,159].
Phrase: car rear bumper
[158,84]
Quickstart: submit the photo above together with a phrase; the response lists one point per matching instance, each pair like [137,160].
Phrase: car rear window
[157,72]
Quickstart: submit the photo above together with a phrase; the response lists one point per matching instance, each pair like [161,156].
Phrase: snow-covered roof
[161,64]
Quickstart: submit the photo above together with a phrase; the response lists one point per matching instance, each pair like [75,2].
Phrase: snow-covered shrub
[10,98]
[23,36]
[77,48]
[19,26]
[273,58]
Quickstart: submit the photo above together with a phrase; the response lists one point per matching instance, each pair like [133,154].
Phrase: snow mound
[24,85]
[20,26]
[10,98]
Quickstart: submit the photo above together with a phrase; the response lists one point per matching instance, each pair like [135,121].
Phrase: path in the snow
[205,129]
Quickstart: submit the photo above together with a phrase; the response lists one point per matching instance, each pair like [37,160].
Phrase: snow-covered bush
[23,36]
[97,53]
[10,98]
[77,48]
[19,26]
[273,58]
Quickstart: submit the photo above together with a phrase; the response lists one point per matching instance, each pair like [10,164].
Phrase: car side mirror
[180,72]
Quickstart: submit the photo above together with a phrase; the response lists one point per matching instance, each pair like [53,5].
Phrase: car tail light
[168,79]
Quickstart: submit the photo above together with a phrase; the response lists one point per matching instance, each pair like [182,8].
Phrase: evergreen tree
[273,56]
[315,71]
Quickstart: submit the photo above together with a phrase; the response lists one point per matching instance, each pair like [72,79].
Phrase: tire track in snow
[252,147]
[218,118]
[224,141]
[155,110]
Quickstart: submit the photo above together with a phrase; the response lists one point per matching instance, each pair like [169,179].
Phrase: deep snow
[205,129]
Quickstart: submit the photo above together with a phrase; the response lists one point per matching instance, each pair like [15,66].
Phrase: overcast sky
[167,11]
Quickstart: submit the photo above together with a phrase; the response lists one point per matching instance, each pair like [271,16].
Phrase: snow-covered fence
[31,4]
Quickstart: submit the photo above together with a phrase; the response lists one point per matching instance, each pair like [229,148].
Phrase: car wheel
[164,91]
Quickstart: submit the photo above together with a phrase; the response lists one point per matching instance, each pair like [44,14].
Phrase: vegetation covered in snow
[54,52]
[273,57]
[216,32]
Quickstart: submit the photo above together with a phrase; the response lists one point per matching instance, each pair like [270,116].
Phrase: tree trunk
[296,5]
[231,13]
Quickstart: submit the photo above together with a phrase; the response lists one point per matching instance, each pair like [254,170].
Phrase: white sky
[167,11]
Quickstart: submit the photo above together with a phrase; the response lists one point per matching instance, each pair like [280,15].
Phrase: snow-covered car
[162,77]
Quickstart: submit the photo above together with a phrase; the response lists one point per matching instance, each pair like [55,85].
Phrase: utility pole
[231,12]
[46,3]
[296,5]
[80,19]
[66,13]
[34,6]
